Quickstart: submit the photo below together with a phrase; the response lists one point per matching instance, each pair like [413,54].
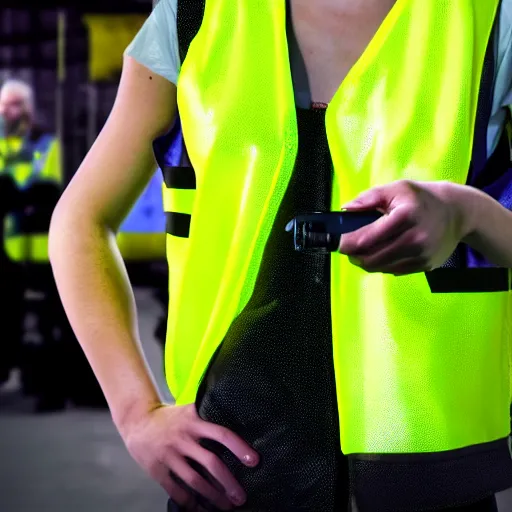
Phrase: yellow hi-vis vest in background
[29,161]
[416,371]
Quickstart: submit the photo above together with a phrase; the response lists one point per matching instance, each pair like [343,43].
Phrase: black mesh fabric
[419,484]
[272,380]
[189,18]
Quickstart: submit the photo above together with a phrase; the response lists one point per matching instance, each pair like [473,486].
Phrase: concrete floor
[75,461]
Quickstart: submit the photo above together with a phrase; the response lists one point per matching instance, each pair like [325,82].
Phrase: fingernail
[249,460]
[237,499]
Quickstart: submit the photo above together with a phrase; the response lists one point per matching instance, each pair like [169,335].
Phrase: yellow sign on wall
[109,35]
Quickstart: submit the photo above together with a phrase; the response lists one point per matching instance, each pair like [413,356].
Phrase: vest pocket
[421,370]
[469,280]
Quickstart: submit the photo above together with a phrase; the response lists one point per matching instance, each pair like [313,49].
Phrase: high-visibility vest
[422,361]
[29,161]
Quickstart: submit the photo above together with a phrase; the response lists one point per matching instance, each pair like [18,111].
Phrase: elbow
[66,228]
[57,234]
[73,229]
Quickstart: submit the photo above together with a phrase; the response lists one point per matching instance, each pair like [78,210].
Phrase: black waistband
[396,483]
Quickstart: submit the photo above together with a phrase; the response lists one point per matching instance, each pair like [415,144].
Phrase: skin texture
[422,225]
[332,35]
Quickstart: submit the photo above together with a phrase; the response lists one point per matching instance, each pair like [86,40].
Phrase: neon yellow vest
[416,371]
[46,164]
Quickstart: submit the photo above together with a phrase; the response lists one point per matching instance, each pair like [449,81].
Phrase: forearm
[99,302]
[489,226]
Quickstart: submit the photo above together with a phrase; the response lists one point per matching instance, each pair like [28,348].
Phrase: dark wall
[29,50]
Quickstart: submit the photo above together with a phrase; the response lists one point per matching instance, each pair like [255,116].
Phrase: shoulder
[506,9]
[163,17]
[166,8]
[156,45]
[164,14]
[503,51]
[505,28]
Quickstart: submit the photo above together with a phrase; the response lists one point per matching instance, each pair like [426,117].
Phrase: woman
[264,431]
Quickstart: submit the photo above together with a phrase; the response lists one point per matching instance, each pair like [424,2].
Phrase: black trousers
[11,316]
[487,505]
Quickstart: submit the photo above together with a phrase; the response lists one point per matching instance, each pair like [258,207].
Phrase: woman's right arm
[99,302]
[87,265]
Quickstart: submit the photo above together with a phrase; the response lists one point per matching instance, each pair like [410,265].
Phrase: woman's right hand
[163,439]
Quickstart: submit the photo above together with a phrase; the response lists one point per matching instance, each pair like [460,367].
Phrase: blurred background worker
[58,77]
[30,159]
[27,151]
[29,154]
[11,289]
[59,73]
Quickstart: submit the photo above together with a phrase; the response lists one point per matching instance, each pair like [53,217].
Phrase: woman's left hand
[423,224]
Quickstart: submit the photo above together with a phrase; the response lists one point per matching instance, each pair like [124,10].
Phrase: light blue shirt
[156,47]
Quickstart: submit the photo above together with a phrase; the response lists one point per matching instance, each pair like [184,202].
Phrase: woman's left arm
[489,225]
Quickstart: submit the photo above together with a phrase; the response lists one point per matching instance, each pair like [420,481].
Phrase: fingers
[407,249]
[373,198]
[179,495]
[166,445]
[235,444]
[406,266]
[367,239]
[218,470]
[195,466]
[198,484]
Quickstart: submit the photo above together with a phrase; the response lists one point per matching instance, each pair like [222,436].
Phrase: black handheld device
[321,231]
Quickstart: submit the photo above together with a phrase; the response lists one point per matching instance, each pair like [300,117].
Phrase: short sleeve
[503,79]
[504,75]
[156,44]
